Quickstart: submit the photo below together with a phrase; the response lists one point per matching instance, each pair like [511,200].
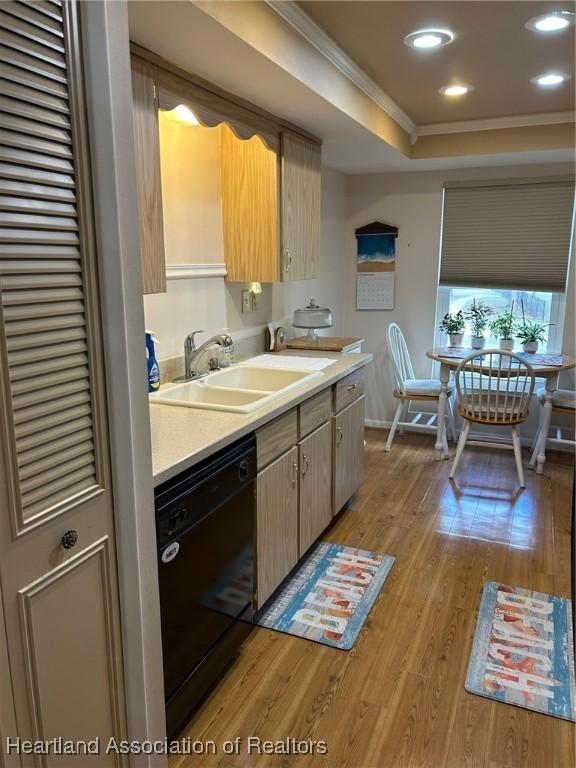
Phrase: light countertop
[181,436]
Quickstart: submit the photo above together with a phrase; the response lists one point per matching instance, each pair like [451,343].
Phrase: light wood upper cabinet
[300,207]
[249,182]
[277,523]
[315,485]
[148,178]
[348,452]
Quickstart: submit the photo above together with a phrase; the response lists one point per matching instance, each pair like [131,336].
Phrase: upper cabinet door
[300,191]
[148,178]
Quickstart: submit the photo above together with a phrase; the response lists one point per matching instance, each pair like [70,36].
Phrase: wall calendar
[375,266]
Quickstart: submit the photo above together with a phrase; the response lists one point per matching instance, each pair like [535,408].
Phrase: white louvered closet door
[57,552]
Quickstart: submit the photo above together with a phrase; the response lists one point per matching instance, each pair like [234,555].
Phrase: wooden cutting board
[324,343]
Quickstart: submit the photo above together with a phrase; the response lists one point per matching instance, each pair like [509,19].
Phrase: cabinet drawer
[276,438]
[349,389]
[315,412]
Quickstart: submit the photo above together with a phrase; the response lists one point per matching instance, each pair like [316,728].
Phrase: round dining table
[449,359]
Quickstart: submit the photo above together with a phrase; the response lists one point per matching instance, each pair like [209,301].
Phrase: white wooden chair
[563,401]
[494,388]
[409,389]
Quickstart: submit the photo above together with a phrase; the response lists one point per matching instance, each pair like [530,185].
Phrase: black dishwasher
[205,521]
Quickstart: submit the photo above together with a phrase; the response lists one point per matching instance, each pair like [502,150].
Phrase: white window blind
[513,234]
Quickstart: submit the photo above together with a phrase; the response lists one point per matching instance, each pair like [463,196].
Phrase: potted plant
[477,316]
[531,334]
[453,325]
[504,327]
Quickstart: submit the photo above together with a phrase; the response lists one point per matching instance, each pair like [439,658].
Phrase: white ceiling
[185,35]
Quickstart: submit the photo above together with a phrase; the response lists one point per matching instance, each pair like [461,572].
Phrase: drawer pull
[350,387]
[69,539]
[340,434]
[306,464]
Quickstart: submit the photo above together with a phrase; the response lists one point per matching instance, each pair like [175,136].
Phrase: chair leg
[537,433]
[460,447]
[518,456]
[539,437]
[452,420]
[404,415]
[399,409]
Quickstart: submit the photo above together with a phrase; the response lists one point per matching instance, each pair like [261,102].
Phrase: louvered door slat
[38,192]
[36,176]
[55,464]
[31,33]
[56,434]
[35,16]
[27,432]
[18,328]
[36,50]
[34,144]
[80,482]
[36,268]
[78,377]
[39,490]
[44,352]
[40,340]
[64,442]
[29,128]
[47,372]
[25,412]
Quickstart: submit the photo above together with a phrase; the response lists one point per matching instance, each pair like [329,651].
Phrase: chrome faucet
[192,353]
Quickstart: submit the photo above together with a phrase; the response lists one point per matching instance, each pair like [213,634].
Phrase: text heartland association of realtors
[251,745]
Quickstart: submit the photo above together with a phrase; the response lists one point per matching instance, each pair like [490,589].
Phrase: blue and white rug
[329,597]
[523,652]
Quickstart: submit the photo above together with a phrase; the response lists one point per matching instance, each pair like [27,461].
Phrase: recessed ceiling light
[551,22]
[428,39]
[458,89]
[550,79]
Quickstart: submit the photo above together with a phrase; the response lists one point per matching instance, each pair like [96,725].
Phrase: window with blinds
[45,329]
[507,234]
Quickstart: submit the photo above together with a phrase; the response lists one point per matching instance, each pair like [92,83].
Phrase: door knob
[69,539]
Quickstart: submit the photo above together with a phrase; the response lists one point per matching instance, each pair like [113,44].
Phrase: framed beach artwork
[375,266]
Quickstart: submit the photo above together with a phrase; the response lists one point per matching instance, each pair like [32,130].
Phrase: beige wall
[413,202]
[191,196]
[212,304]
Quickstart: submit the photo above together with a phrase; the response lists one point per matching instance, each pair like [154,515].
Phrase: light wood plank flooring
[398,699]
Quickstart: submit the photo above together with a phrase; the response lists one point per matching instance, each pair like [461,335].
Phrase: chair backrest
[494,387]
[400,356]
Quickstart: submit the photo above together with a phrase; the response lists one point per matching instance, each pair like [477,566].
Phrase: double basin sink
[241,389]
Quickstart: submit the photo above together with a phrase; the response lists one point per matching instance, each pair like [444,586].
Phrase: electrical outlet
[246,302]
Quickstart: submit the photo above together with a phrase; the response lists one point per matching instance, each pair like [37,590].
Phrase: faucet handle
[190,342]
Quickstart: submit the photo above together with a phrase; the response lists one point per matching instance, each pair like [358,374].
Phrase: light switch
[246,302]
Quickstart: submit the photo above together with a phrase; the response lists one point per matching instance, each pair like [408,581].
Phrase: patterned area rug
[328,599]
[523,652]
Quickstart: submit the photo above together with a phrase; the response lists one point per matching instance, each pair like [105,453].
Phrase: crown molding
[192,271]
[315,35]
[494,123]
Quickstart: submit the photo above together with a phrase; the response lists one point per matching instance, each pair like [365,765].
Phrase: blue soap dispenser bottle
[153,368]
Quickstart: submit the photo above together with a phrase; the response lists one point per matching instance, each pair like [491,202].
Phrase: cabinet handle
[295,471]
[69,539]
[306,464]
[287,260]
[340,434]
[350,387]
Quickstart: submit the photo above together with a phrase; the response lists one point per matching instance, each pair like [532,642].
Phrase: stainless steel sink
[241,389]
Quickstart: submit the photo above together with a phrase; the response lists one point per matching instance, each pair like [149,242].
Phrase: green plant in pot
[454,325]
[477,316]
[531,334]
[504,328]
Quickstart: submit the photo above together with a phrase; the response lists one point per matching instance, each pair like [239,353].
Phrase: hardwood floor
[397,698]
